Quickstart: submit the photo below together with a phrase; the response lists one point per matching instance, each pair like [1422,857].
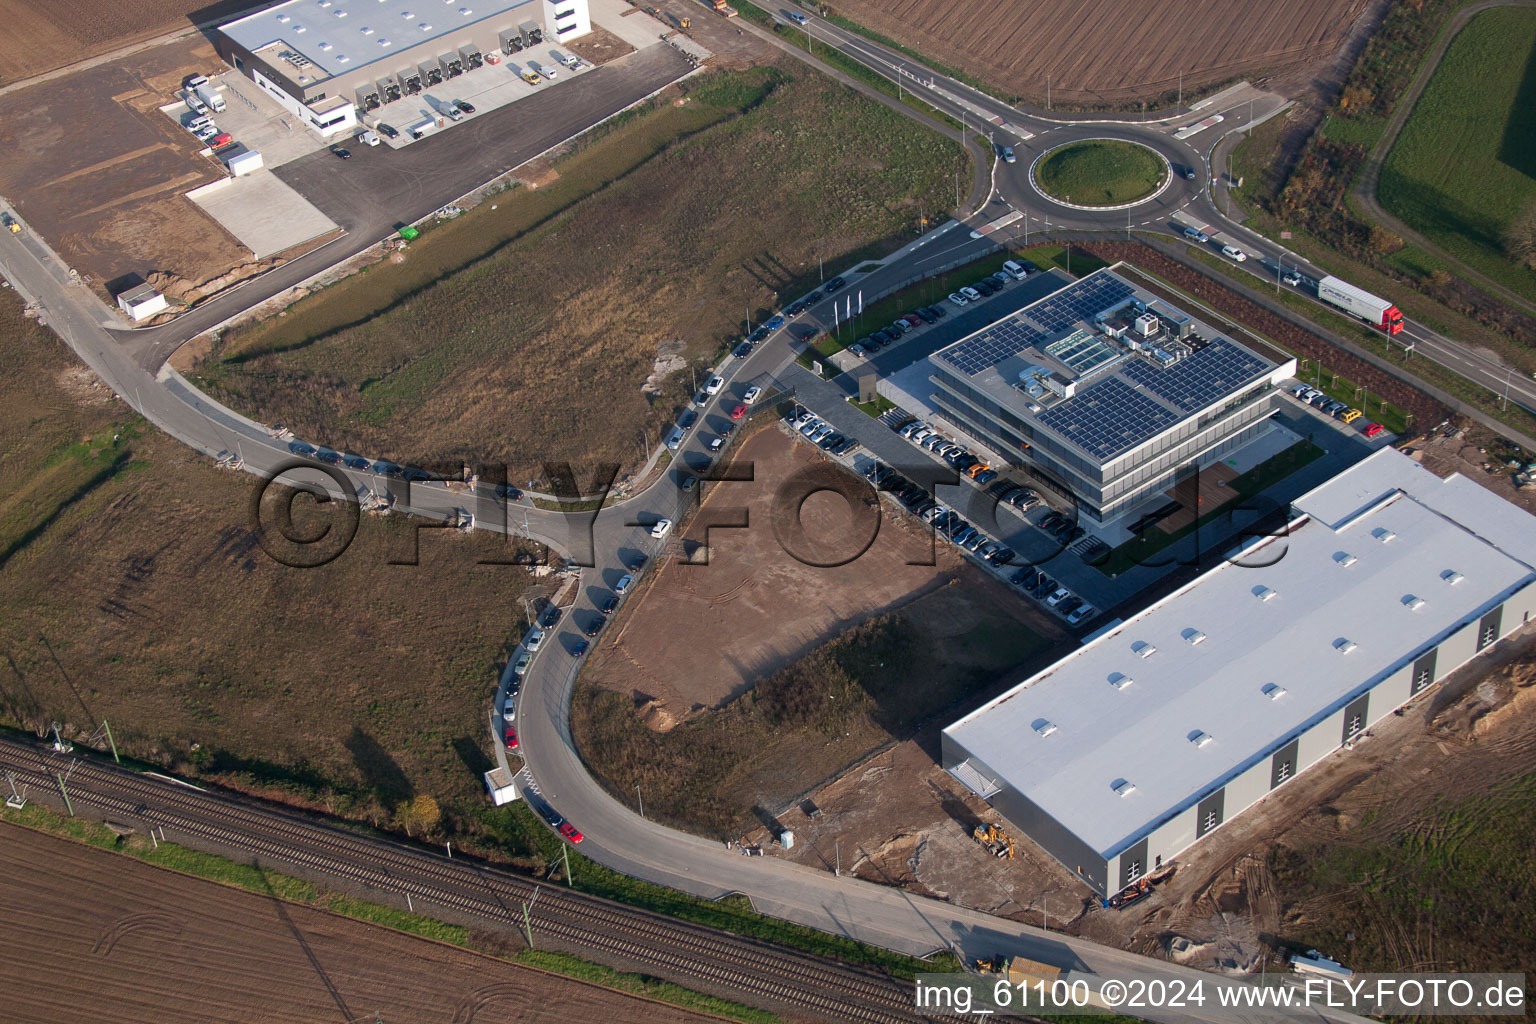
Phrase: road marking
[1198,127]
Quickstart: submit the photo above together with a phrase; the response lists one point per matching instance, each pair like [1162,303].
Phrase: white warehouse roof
[343,35]
[1149,717]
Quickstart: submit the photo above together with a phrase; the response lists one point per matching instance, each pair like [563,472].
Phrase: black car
[345,154]
[928,316]
[595,626]
[300,448]
[985,287]
[550,617]
[1021,577]
[329,457]
[386,131]
[637,564]
[550,815]
[465,105]
[833,285]
[871,344]
[938,311]
[354,461]
[579,648]
[743,350]
[610,604]
[758,335]
[508,491]
[388,469]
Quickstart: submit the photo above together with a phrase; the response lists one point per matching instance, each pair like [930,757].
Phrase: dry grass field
[540,349]
[42,35]
[132,590]
[91,935]
[1115,53]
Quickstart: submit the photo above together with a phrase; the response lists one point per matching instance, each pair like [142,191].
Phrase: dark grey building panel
[1355,717]
[1488,628]
[1423,672]
[1133,864]
[1282,767]
[1211,813]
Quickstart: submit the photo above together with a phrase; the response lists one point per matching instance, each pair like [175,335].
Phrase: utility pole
[64,791]
[527,926]
[837,852]
[111,741]
[1508,375]
[1047,92]
[641,799]
[565,853]
[1181,88]
[1045,916]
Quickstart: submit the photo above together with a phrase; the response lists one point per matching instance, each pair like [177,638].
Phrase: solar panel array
[1108,418]
[1075,303]
[1200,379]
[992,346]
[1079,302]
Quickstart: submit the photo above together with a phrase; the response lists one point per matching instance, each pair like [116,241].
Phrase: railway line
[692,955]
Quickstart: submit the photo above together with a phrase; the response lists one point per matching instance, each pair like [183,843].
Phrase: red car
[511,738]
[569,831]
[738,412]
[1372,429]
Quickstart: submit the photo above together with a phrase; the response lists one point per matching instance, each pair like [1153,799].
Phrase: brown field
[94,167]
[1105,54]
[133,590]
[91,935]
[42,35]
[701,634]
[727,690]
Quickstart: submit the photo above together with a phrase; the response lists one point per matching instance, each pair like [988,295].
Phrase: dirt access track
[43,35]
[92,935]
[92,165]
[701,634]
[1110,53]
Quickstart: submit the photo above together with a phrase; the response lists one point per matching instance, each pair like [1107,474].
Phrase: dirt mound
[656,716]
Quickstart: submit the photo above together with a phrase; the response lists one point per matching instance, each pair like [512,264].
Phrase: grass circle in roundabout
[1100,172]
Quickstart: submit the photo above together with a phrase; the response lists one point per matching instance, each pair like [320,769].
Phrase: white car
[715,443]
[713,385]
[958,299]
[535,640]
[540,69]
[509,709]
[661,528]
[822,433]
[811,426]
[971,293]
[751,395]
[1058,596]
[1233,253]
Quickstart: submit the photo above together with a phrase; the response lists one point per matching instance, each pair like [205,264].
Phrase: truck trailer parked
[1373,309]
[207,95]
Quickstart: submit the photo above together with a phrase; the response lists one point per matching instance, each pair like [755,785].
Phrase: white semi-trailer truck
[1373,309]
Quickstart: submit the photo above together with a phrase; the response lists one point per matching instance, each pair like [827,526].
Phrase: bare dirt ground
[599,47]
[92,165]
[700,634]
[900,819]
[42,35]
[732,48]
[1111,53]
[94,936]
[1477,455]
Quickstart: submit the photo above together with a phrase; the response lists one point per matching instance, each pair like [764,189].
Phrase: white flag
[861,301]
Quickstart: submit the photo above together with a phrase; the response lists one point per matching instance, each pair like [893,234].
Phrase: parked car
[985,287]
[369,138]
[959,299]
[569,832]
[623,584]
[387,131]
[534,641]
[1233,253]
[971,293]
[738,412]
[751,395]
[579,648]
[774,323]
[595,626]
[510,737]
[833,285]
[928,315]
[713,385]
[465,105]
[659,530]
[1372,429]
[1080,613]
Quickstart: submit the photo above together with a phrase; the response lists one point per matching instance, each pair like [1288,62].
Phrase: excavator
[994,840]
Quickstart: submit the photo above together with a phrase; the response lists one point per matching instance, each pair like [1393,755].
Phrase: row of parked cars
[1013,270]
[949,523]
[819,432]
[794,309]
[1335,408]
[888,335]
[1052,594]
[925,436]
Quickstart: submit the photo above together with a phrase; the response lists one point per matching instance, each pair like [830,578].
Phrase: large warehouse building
[1127,751]
[1109,393]
[328,60]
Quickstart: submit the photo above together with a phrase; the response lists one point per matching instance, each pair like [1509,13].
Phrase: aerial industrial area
[684,510]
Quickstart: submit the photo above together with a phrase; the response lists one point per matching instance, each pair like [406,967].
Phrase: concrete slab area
[632,24]
[261,210]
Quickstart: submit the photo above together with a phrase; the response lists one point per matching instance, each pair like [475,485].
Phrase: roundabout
[1100,174]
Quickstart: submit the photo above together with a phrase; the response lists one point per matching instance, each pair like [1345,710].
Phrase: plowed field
[92,936]
[42,35]
[1110,53]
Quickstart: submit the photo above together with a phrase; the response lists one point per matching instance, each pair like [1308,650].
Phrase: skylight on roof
[1142,649]
[1344,645]
[1265,593]
[1274,691]
[1193,636]
[1413,602]
[1123,787]
[1452,577]
[1044,727]
[1199,738]
[1119,680]
[1344,558]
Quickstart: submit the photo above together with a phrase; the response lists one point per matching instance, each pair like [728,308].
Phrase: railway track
[681,951]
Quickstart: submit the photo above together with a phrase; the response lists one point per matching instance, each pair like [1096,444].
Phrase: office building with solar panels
[327,61]
[1107,392]
[1168,725]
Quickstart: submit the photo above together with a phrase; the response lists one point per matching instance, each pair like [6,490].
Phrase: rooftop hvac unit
[1146,325]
